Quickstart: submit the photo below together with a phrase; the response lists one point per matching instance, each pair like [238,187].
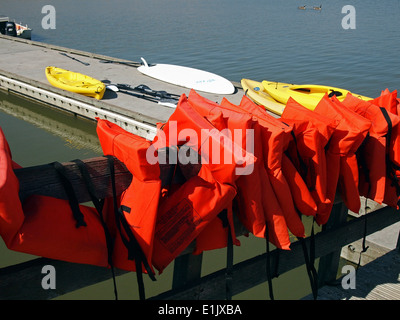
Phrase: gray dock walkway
[22,70]
[377,280]
[378,275]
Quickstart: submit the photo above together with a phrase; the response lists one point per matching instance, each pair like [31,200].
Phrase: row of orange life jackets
[272,172]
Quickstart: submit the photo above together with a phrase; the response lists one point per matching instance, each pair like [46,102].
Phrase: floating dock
[22,71]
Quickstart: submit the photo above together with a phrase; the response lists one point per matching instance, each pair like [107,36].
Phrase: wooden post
[328,265]
[187,268]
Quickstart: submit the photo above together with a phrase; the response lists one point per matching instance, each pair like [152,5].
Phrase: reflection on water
[38,133]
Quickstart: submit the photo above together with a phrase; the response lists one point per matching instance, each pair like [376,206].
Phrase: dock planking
[24,61]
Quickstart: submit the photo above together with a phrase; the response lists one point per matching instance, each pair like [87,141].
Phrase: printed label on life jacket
[177,224]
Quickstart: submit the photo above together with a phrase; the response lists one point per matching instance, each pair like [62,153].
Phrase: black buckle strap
[390,166]
[223,215]
[99,207]
[134,250]
[268,264]
[310,262]
[364,247]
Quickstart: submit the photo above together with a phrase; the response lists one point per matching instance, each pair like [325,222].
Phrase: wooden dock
[22,71]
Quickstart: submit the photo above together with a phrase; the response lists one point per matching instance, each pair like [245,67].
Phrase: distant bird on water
[318,8]
[302,8]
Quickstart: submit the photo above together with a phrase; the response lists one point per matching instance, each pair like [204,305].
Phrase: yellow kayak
[256,92]
[75,82]
[307,95]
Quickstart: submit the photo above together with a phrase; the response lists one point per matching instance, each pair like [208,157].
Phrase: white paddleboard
[188,77]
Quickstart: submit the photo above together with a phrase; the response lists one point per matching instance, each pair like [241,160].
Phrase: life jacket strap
[99,203]
[310,261]
[134,250]
[268,264]
[303,170]
[73,202]
[362,162]
[364,247]
[223,215]
[390,166]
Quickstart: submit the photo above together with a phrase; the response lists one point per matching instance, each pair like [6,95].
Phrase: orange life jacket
[304,145]
[215,235]
[313,155]
[373,155]
[275,138]
[391,103]
[165,221]
[275,217]
[184,213]
[388,100]
[46,226]
[340,157]
[11,212]
[256,200]
[296,198]
[349,173]
[139,202]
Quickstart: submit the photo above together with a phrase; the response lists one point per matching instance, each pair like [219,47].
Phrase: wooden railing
[23,281]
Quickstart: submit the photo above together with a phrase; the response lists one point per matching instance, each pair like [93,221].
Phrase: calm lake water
[256,39]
